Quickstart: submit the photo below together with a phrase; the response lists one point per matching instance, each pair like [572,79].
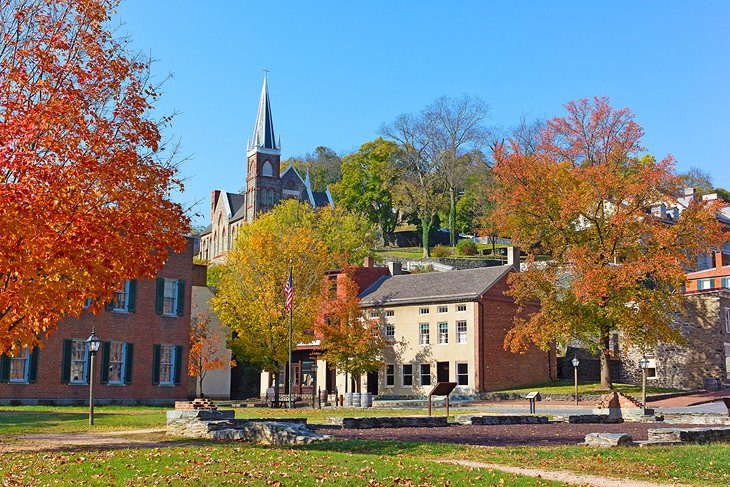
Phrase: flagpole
[291,319]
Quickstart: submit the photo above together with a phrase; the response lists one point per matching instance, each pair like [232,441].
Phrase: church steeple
[263,139]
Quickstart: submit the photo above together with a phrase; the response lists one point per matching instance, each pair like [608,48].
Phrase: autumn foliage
[84,189]
[208,350]
[349,341]
[582,193]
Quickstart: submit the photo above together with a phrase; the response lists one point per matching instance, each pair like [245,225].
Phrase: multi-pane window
[425,374]
[167,364]
[390,331]
[424,337]
[461,332]
[462,374]
[423,311]
[443,333]
[461,308]
[725,282]
[19,366]
[703,284]
[373,314]
[79,359]
[389,313]
[116,362]
[407,374]
[727,323]
[169,298]
[442,309]
[390,375]
[121,298]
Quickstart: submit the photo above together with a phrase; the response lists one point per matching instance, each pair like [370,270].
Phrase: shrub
[440,251]
[466,247]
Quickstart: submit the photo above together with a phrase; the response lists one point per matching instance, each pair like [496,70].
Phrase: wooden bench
[283,398]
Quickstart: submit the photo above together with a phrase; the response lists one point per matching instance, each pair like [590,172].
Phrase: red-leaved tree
[581,193]
[84,183]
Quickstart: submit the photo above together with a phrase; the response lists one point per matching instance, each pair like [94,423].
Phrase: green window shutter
[180,297]
[33,368]
[128,359]
[155,364]
[712,284]
[4,368]
[132,301]
[105,349]
[66,361]
[159,295]
[178,364]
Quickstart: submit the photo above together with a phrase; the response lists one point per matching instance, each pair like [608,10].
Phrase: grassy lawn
[237,464]
[567,387]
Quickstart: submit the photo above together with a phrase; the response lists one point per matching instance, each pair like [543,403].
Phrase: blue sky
[341,69]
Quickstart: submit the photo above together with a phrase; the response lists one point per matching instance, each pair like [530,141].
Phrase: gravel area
[504,435]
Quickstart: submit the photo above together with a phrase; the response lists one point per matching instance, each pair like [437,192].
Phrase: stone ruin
[619,406]
[191,420]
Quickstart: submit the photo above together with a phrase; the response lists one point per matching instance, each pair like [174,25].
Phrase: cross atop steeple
[263,131]
[266,71]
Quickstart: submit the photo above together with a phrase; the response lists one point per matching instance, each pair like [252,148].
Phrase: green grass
[567,387]
[237,464]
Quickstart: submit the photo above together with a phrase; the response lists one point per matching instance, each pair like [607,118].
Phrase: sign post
[441,389]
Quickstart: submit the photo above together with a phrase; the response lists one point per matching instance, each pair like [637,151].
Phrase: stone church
[266,186]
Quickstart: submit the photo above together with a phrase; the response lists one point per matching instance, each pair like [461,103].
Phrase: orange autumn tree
[582,194]
[207,348]
[349,341]
[84,183]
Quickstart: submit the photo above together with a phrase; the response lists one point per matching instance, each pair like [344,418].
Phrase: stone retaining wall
[694,435]
[493,420]
[391,422]
[697,418]
[594,418]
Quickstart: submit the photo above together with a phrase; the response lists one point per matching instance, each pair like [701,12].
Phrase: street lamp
[643,363]
[576,362]
[93,343]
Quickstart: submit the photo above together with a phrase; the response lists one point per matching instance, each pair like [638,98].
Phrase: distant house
[143,356]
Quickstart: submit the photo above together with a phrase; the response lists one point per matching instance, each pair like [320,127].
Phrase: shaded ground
[502,435]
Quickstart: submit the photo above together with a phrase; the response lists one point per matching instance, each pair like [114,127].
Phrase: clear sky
[340,69]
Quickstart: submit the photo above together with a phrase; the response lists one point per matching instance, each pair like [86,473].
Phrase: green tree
[367,184]
[324,166]
[698,179]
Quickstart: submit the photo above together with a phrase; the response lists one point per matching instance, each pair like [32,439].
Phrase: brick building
[142,358]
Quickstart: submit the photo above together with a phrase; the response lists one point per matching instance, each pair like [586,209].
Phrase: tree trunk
[357,383]
[452,217]
[276,387]
[604,355]
[494,245]
[200,385]
[425,230]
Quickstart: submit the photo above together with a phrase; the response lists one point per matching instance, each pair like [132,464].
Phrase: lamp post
[643,363]
[576,362]
[93,343]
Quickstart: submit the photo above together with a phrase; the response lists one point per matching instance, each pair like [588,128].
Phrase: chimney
[513,257]
[395,268]
[214,201]
[368,262]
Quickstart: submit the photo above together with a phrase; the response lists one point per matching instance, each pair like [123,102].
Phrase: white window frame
[85,371]
[373,314]
[461,336]
[461,308]
[727,321]
[389,327]
[701,284]
[389,375]
[171,382]
[443,336]
[26,366]
[403,375]
[461,375]
[424,338]
[122,364]
[389,313]
[423,311]
[421,374]
[442,309]
[125,290]
[174,298]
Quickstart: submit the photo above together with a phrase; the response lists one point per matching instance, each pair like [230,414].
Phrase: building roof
[432,287]
[263,130]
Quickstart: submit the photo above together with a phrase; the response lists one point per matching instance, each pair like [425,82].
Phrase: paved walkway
[561,475]
[691,399]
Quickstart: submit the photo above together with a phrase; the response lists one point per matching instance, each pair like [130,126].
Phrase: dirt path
[145,438]
[561,475]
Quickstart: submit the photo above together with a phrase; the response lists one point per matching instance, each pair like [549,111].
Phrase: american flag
[289,290]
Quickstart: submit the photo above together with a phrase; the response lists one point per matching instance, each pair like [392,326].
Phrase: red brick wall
[144,328]
[503,369]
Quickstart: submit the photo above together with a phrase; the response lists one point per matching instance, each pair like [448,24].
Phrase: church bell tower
[263,158]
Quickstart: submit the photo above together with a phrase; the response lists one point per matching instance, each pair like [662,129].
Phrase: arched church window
[267,169]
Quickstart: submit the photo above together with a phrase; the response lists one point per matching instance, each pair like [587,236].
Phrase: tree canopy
[584,196]
[85,185]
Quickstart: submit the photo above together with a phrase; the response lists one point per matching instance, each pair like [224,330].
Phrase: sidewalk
[691,399]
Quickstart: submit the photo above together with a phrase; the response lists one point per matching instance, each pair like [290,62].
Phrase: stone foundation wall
[392,422]
[494,420]
[694,435]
